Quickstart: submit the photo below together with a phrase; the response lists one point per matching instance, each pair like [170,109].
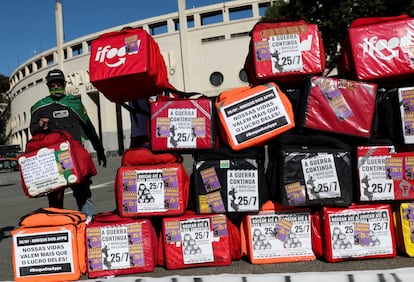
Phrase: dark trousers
[81,192]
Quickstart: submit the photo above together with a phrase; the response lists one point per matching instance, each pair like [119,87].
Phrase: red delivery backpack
[183,121]
[385,176]
[355,232]
[377,48]
[150,184]
[53,161]
[127,65]
[49,245]
[284,52]
[192,240]
[339,106]
[118,246]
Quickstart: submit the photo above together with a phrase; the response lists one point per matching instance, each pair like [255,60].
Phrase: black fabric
[60,118]
[285,171]
[387,120]
[223,160]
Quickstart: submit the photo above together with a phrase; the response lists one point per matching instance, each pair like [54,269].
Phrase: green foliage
[334,17]
[4,87]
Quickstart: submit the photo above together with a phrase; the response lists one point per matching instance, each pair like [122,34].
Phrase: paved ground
[14,204]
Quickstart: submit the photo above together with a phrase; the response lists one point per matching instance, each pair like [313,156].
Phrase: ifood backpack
[117,245]
[151,184]
[49,245]
[284,52]
[251,116]
[53,161]
[378,49]
[127,65]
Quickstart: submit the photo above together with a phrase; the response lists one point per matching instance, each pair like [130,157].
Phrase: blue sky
[28,27]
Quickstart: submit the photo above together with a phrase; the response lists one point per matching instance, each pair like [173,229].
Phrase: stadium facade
[204,53]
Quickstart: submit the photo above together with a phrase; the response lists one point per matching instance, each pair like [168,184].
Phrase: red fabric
[82,164]
[268,61]
[141,235]
[175,183]
[340,106]
[397,173]
[197,132]
[144,156]
[340,229]
[127,65]
[225,245]
[377,48]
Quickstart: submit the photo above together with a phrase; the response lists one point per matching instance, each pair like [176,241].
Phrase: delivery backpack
[183,121]
[310,169]
[228,181]
[277,234]
[354,232]
[394,114]
[192,240]
[53,161]
[339,106]
[378,49]
[118,245]
[284,52]
[127,65]
[404,227]
[151,184]
[49,245]
[249,116]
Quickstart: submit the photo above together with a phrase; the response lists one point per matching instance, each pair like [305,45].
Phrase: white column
[59,33]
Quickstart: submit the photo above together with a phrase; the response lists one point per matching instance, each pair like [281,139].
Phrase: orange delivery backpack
[251,116]
[277,234]
[49,245]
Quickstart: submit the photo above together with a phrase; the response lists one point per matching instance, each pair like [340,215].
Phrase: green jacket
[82,126]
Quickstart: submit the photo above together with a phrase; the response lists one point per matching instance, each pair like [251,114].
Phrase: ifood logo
[112,57]
[379,48]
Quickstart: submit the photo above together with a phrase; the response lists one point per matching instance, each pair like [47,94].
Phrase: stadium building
[204,49]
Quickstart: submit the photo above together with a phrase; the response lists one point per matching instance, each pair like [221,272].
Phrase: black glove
[102,159]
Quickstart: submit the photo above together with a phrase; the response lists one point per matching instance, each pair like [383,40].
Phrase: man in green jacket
[61,111]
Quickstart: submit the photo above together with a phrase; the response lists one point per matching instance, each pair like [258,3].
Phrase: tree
[334,17]
[4,103]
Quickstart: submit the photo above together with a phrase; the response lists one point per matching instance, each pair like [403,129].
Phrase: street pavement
[14,204]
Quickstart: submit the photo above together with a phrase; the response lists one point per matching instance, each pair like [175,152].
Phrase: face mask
[57,92]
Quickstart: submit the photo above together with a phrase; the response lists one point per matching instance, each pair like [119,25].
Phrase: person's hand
[102,159]
[44,123]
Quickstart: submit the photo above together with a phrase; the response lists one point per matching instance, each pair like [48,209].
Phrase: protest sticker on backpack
[43,253]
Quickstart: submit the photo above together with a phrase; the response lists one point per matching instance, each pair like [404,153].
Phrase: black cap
[55,75]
